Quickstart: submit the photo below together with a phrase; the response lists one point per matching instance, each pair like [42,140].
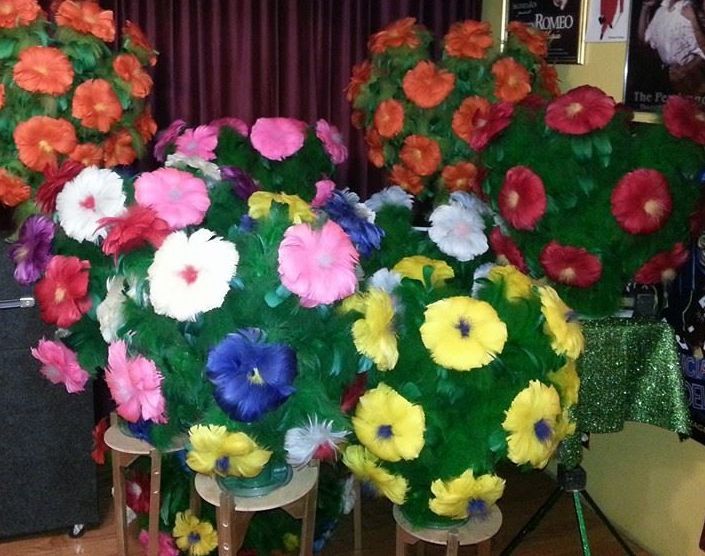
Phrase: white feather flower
[316,439]
[385,280]
[394,196]
[191,275]
[209,170]
[482,271]
[109,313]
[458,231]
[93,194]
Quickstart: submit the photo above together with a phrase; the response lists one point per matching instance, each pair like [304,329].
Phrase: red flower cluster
[134,229]
[55,177]
[63,291]
[506,250]
[663,266]
[572,266]
[684,118]
[641,202]
[580,111]
[522,198]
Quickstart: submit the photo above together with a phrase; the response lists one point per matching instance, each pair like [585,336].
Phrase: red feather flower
[573,266]
[684,118]
[487,126]
[137,227]
[662,267]
[580,111]
[137,495]
[353,392]
[54,180]
[522,198]
[506,250]
[641,202]
[63,292]
[99,445]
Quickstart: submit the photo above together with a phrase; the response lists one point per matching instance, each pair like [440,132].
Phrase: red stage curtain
[252,58]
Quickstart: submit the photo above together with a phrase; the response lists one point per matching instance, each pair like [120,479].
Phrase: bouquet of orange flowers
[68,98]
[427,122]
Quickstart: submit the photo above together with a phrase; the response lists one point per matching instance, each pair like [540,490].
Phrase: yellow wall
[651,485]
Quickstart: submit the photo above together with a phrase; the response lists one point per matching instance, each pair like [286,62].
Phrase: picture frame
[564,20]
[658,62]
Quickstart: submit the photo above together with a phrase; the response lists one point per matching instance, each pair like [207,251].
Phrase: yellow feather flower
[215,450]
[260,204]
[561,324]
[516,284]
[365,466]
[193,536]
[388,425]
[531,423]
[463,333]
[412,267]
[374,335]
[567,381]
[465,495]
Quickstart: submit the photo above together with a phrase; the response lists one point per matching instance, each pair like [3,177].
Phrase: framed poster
[664,54]
[563,20]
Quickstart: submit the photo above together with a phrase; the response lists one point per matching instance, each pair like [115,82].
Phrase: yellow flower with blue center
[215,450]
[413,267]
[567,381]
[463,333]
[465,495]
[531,422]
[260,204]
[193,536]
[374,335]
[517,285]
[561,324]
[365,466]
[388,425]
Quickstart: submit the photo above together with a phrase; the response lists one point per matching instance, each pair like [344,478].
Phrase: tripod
[571,481]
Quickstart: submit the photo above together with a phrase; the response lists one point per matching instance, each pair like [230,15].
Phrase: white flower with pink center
[191,274]
[314,440]
[459,231]
[93,194]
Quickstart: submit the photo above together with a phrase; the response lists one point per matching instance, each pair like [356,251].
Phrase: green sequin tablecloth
[629,372]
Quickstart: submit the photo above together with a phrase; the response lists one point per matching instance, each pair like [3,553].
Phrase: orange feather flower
[2,95]
[421,154]
[135,38]
[468,39]
[42,69]
[512,80]
[96,105]
[463,176]
[400,33]
[128,68]
[389,118]
[145,125]
[18,13]
[464,116]
[427,86]
[535,40]
[118,149]
[406,179]
[41,139]
[375,147]
[13,190]
[360,76]
[87,154]
[87,17]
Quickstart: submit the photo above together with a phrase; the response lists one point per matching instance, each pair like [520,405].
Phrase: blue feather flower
[345,211]
[141,429]
[251,377]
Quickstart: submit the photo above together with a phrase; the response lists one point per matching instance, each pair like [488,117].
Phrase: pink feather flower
[200,142]
[318,265]
[135,385]
[278,138]
[178,197]
[60,365]
[332,141]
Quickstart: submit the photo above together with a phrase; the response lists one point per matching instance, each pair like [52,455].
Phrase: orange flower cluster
[400,33]
[128,68]
[87,17]
[13,190]
[427,86]
[41,139]
[18,13]
[96,105]
[468,39]
[42,69]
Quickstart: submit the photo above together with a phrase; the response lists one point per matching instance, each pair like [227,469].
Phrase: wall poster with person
[666,52]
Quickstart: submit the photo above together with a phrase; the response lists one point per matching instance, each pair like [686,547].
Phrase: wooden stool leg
[194,502]
[119,502]
[308,526]
[484,548]
[155,483]
[453,543]
[225,529]
[420,548]
[357,516]
[401,543]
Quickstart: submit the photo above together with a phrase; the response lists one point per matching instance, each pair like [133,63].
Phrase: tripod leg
[581,523]
[533,522]
[607,522]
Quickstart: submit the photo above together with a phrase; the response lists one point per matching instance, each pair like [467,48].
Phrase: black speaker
[48,480]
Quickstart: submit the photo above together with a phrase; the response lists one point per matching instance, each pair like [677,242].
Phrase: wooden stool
[357,516]
[234,513]
[124,451]
[478,531]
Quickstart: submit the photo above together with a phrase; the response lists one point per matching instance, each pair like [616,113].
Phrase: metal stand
[571,481]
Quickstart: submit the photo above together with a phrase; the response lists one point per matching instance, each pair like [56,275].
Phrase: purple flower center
[571,316]
[384,432]
[542,430]
[194,538]
[476,507]
[222,464]
[464,327]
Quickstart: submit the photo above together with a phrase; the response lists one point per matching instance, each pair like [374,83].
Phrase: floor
[556,535]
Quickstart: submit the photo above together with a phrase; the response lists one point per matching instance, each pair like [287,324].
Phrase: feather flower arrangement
[69,97]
